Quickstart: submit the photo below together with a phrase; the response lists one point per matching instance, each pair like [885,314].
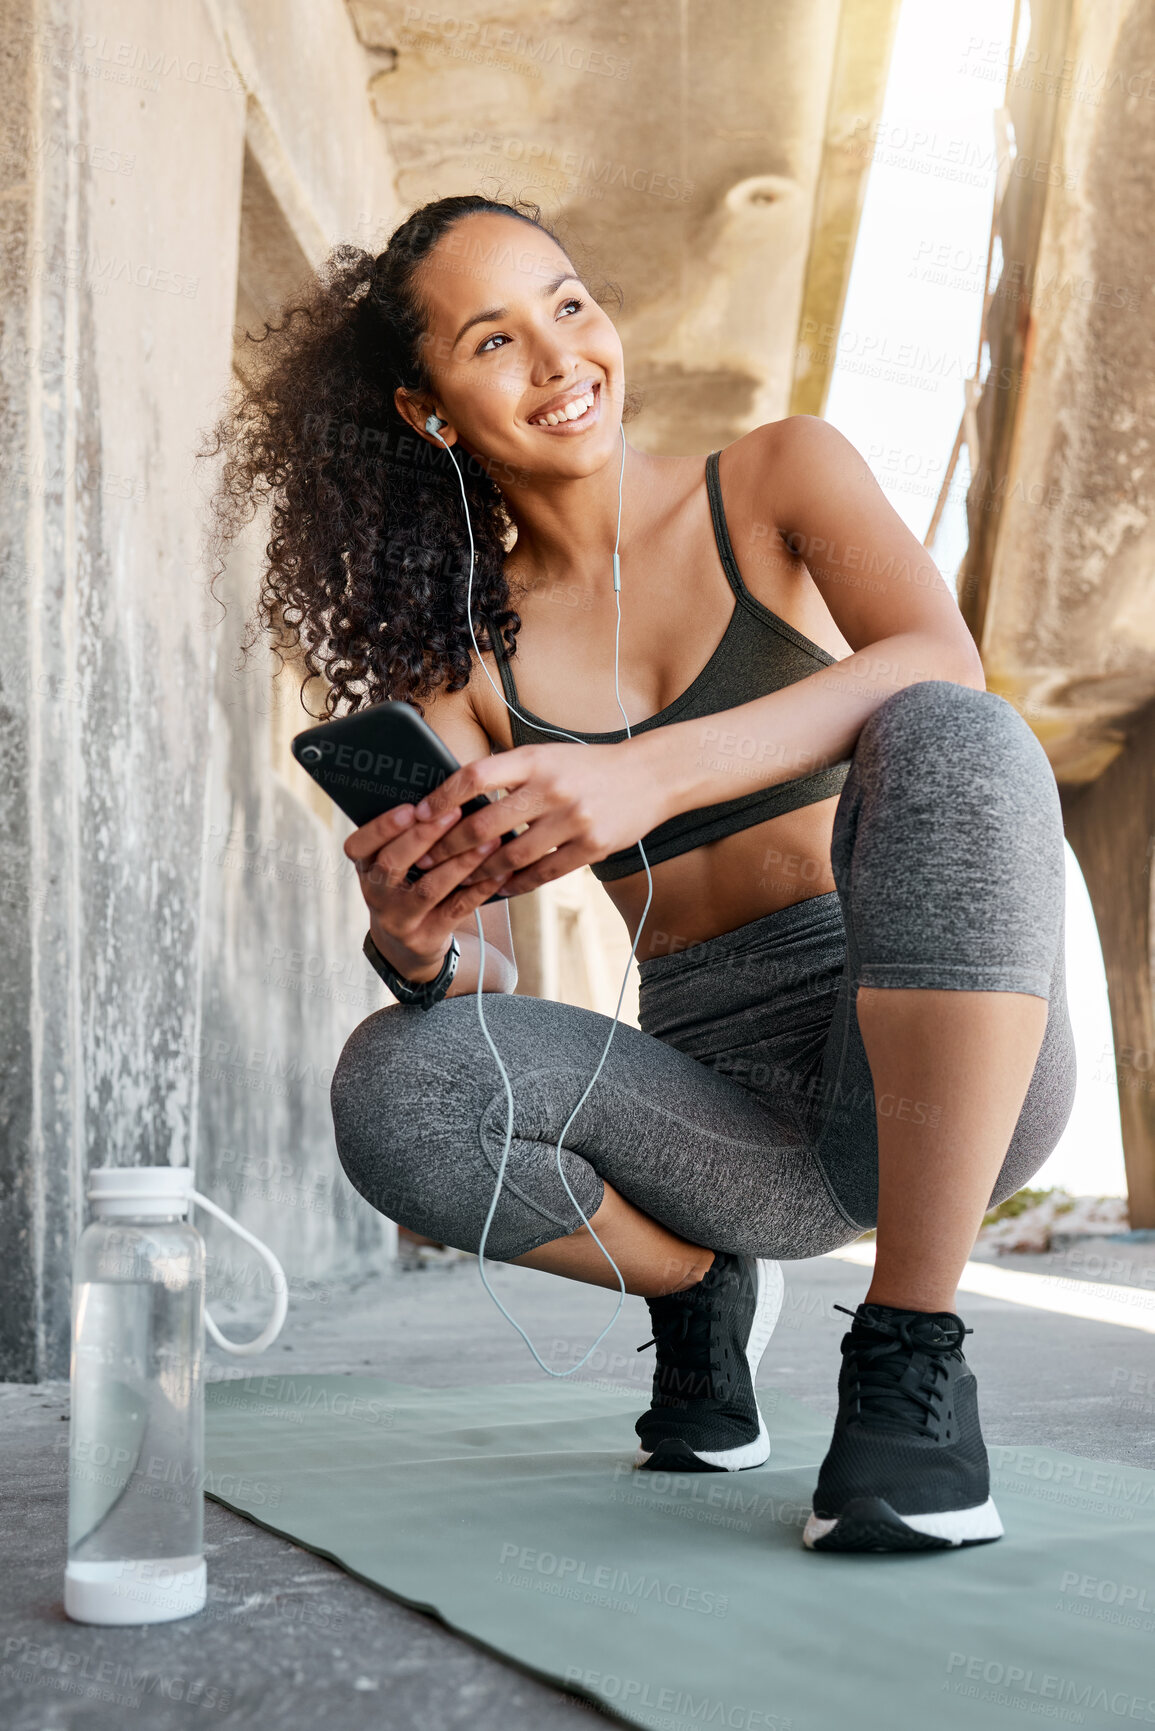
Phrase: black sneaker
[907,1469]
[709,1339]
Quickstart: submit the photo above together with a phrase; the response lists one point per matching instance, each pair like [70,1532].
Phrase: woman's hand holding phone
[573,807]
[412,923]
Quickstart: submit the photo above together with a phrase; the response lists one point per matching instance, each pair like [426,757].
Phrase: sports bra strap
[721,530]
[502,660]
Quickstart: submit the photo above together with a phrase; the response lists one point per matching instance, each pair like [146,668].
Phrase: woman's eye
[499,336]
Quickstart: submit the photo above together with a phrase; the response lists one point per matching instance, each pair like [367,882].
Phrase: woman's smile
[588,399]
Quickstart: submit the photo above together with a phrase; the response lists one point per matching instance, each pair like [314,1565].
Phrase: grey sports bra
[758,653]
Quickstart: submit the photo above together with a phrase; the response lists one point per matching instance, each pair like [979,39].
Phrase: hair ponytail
[368,551]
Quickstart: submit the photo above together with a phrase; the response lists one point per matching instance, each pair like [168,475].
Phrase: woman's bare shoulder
[771,464]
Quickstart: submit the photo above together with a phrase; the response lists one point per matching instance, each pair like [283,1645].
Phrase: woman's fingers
[541,839]
[543,871]
[489,824]
[506,769]
[454,907]
[435,885]
[462,901]
[422,912]
[391,826]
[384,865]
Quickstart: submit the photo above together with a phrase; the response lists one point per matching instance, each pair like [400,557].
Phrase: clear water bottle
[136,1441]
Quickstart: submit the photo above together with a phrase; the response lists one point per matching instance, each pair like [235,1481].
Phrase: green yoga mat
[687,1602]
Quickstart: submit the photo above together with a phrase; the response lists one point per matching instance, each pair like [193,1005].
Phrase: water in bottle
[136,1448]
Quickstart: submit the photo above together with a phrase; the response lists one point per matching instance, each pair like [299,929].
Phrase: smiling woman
[862,1018]
[364,507]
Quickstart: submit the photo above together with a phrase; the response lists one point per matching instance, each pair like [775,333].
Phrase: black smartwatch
[425,993]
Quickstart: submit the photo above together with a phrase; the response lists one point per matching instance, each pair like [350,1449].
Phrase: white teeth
[571,412]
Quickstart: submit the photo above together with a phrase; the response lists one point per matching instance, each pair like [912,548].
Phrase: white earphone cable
[481,963]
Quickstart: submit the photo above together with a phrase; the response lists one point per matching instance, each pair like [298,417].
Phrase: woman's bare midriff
[668,633]
[728,883]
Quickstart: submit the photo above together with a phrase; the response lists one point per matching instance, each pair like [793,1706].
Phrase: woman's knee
[383,1098]
[958,774]
[420,1121]
[938,709]
[936,725]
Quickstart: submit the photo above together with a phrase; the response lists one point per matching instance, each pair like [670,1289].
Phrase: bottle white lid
[148,1192]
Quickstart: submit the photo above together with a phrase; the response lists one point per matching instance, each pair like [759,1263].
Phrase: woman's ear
[423,416]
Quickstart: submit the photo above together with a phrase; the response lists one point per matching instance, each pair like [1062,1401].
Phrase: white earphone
[433,426]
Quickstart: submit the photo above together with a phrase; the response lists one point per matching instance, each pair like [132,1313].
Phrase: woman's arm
[885,595]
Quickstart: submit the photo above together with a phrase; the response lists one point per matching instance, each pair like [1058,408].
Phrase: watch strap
[424,993]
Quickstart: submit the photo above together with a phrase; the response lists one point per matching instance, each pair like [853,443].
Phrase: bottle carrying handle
[247,1348]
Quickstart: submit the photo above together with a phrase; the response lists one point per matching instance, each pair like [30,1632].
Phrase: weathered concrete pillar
[20,1197]
[1111,826]
[173,956]
[119,240]
[1057,581]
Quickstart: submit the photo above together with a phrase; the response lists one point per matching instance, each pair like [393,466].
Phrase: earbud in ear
[434,424]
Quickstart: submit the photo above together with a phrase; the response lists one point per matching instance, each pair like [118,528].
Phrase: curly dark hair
[368,556]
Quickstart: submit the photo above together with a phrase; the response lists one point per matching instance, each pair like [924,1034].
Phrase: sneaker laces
[682,1337]
[894,1382]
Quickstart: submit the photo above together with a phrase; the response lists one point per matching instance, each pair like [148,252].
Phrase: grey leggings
[741,1114]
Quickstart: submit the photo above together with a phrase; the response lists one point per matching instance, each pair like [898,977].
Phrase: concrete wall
[123,333]
[284,981]
[130,949]
[1110,824]
[680,148]
[1058,582]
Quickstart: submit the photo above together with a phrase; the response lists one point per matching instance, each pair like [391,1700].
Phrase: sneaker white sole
[971,1526]
[771,1290]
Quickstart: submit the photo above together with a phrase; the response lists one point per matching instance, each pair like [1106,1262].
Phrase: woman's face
[512,336]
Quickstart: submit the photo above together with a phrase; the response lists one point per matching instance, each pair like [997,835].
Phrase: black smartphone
[380,757]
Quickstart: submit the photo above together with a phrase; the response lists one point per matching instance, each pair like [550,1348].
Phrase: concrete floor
[289,1641]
